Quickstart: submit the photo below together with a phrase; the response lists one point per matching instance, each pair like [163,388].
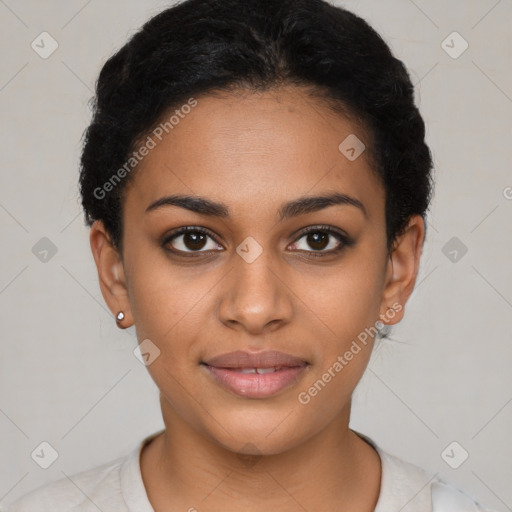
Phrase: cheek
[167,310]
[346,309]
[348,301]
[165,301]
[349,311]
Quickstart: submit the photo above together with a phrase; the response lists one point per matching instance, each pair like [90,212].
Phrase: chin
[257,432]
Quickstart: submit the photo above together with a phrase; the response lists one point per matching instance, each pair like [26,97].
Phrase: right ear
[111,273]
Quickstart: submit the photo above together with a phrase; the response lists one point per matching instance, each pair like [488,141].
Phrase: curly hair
[201,47]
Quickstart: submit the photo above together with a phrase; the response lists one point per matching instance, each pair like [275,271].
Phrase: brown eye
[194,241]
[190,240]
[322,240]
[317,240]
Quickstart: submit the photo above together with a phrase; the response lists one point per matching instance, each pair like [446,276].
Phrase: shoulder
[414,489]
[410,488]
[446,498]
[85,491]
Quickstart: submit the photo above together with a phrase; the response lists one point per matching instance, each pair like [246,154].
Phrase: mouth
[255,375]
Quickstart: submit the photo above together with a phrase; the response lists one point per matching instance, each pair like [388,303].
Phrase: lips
[255,375]
[245,360]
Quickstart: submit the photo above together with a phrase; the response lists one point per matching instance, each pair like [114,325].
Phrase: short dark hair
[200,47]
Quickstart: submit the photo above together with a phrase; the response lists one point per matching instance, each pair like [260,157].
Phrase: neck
[190,470]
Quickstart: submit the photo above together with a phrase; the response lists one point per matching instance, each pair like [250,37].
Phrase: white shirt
[117,486]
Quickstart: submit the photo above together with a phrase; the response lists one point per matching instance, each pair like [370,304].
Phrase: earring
[120,316]
[382,328]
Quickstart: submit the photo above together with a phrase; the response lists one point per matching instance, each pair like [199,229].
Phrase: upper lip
[243,359]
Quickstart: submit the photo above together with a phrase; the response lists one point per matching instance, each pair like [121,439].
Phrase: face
[262,267]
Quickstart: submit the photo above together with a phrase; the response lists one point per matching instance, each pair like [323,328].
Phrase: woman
[256,181]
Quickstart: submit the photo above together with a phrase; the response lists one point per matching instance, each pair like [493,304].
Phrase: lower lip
[255,385]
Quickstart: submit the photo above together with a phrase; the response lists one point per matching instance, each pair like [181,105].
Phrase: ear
[110,273]
[402,270]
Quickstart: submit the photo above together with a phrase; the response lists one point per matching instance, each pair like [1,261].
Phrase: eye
[322,240]
[317,241]
[191,239]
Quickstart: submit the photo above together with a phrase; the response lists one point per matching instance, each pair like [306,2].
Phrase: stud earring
[120,316]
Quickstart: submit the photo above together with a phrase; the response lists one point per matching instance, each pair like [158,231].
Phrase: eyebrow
[299,206]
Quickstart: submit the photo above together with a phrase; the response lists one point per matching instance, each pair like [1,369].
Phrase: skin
[254,152]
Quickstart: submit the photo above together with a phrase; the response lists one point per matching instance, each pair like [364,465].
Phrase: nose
[255,296]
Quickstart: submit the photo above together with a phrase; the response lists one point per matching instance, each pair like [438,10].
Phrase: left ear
[402,270]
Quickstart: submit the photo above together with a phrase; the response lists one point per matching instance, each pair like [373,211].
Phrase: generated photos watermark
[137,156]
[304,397]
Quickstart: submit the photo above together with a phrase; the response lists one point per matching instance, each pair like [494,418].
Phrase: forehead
[256,150]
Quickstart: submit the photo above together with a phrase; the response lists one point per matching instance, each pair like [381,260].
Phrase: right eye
[189,240]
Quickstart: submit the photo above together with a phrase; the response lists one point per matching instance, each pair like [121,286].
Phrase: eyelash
[344,240]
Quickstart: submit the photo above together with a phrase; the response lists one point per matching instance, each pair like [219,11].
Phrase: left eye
[320,240]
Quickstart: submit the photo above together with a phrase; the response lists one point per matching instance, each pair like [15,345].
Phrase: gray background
[68,376]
